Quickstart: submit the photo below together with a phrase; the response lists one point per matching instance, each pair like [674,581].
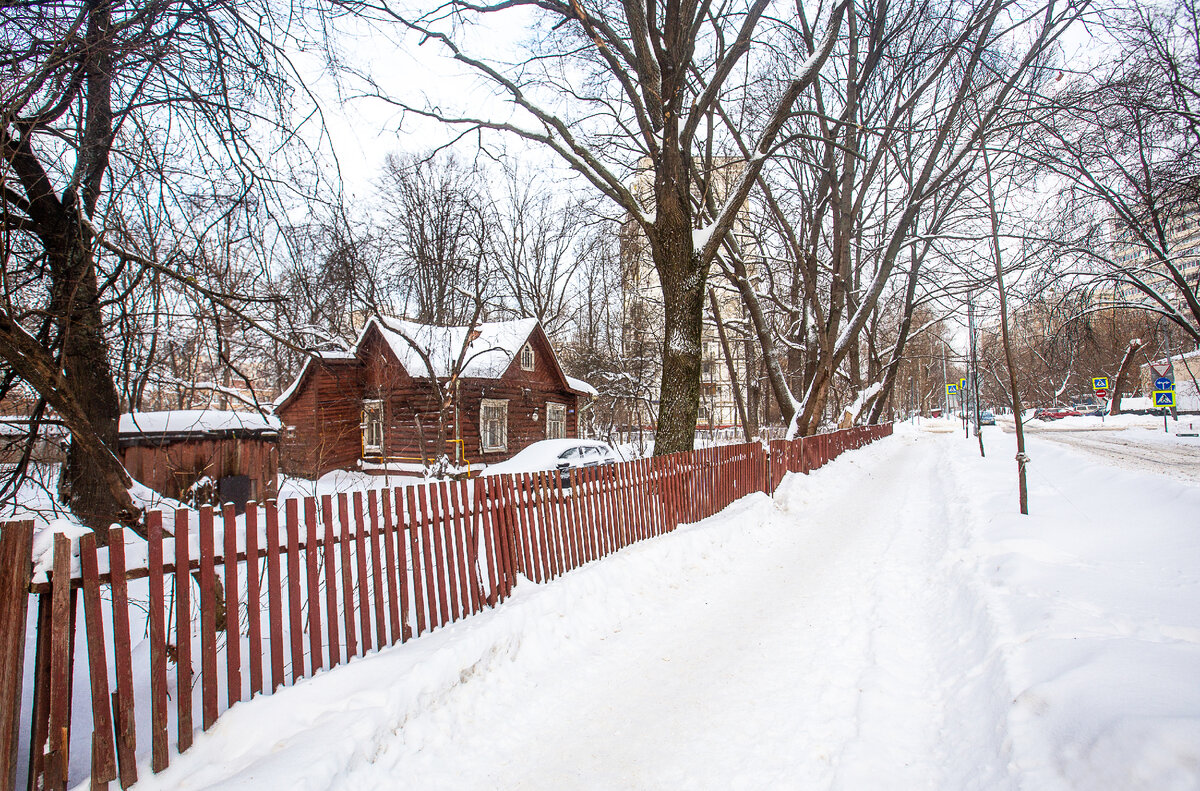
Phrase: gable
[546,369]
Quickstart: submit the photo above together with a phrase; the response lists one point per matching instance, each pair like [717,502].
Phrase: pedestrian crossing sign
[1164,398]
[952,388]
[1099,382]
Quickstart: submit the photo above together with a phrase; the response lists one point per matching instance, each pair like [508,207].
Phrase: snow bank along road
[886,622]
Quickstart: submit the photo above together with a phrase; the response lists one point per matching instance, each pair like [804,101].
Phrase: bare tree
[617,90]
[1123,141]
[879,163]
[107,106]
[537,249]
[436,237]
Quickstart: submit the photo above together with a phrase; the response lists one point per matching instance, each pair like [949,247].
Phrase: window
[527,358]
[493,424]
[372,427]
[556,421]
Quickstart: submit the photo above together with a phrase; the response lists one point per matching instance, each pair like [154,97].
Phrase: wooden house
[202,455]
[408,393]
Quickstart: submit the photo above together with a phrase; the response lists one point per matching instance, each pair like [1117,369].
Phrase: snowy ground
[1131,441]
[886,622]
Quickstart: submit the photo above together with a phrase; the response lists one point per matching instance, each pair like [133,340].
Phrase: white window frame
[372,427]
[552,419]
[527,359]
[493,403]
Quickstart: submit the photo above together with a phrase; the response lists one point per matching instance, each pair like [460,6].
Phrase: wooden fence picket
[377,583]
[183,630]
[233,636]
[295,608]
[253,601]
[208,622]
[363,589]
[329,554]
[346,556]
[274,595]
[312,553]
[158,642]
[104,759]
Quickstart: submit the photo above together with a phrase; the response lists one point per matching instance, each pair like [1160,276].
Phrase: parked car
[563,455]
[987,418]
[1054,413]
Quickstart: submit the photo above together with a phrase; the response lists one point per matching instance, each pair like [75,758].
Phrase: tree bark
[1114,406]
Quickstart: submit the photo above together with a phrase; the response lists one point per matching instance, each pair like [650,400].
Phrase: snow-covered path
[886,622]
[804,662]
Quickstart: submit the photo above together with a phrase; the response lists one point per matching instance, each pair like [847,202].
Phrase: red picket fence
[291,588]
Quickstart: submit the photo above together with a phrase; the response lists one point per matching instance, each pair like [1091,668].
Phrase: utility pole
[973,372]
[945,380]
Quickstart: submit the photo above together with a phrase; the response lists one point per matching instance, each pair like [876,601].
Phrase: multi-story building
[1182,245]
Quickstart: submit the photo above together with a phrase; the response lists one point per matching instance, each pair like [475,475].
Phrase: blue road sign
[1099,382]
[1163,383]
[951,388]
[1164,398]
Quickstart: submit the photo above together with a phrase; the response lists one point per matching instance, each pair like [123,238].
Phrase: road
[1137,449]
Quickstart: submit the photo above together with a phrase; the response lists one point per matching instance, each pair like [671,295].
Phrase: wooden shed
[203,456]
[375,408]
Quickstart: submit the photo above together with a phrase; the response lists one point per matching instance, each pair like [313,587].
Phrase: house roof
[488,356]
[490,351]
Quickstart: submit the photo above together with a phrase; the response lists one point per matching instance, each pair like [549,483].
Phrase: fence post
[16,571]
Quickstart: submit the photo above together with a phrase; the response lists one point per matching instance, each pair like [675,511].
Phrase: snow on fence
[312,584]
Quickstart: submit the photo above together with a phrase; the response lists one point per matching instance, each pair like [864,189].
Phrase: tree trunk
[1114,406]
[679,393]
[86,484]
[889,377]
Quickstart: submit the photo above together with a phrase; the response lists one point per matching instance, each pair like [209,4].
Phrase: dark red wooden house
[376,409]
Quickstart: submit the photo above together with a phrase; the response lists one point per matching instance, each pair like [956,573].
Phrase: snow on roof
[187,421]
[581,386]
[488,355]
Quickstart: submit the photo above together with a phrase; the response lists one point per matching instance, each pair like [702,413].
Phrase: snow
[488,355]
[581,386]
[197,420]
[889,621]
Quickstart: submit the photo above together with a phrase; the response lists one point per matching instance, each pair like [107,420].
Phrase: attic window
[527,358]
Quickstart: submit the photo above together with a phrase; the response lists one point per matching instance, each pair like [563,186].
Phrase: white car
[563,455]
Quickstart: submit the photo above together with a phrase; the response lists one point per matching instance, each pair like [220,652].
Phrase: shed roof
[183,424]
